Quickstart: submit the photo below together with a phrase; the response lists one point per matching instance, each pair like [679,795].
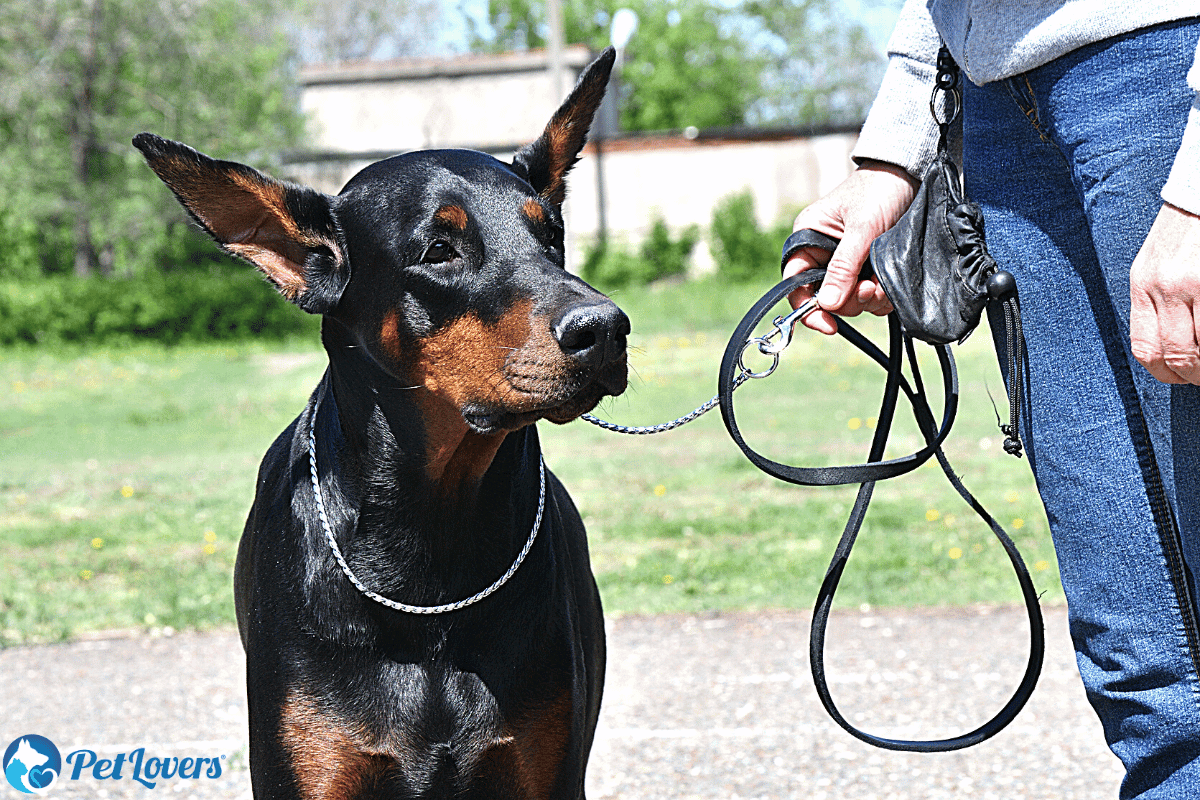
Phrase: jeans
[1067,161]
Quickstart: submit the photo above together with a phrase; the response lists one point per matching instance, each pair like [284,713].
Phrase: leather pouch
[933,264]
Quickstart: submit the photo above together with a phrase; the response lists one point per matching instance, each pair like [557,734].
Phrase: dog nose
[592,334]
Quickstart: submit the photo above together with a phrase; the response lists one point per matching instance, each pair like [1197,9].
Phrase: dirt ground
[715,706]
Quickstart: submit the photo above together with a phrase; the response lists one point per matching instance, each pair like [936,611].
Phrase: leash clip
[785,328]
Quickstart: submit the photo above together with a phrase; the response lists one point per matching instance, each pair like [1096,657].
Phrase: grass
[698,527]
[127,474]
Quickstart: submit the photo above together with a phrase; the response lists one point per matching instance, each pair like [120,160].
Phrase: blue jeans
[1067,162]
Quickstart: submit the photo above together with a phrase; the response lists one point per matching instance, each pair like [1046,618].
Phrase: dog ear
[546,162]
[289,232]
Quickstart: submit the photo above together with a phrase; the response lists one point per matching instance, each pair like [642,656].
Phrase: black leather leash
[867,474]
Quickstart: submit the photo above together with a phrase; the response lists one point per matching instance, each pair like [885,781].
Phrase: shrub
[665,256]
[741,250]
[609,266]
[222,302]
[31,249]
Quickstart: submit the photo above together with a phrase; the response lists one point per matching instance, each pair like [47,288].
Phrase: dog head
[445,266]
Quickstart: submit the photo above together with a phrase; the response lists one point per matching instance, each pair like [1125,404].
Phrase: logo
[32,764]
[146,771]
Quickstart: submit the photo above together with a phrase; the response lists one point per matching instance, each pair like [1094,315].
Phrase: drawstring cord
[1002,288]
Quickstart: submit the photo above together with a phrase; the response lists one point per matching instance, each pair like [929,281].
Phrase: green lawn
[126,475]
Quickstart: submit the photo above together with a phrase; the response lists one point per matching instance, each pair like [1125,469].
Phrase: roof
[412,69]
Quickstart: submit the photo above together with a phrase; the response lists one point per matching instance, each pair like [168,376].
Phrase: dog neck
[407,433]
[410,533]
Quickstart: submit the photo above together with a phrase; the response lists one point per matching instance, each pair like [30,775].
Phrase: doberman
[451,326]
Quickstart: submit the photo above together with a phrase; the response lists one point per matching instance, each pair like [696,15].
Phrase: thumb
[844,266]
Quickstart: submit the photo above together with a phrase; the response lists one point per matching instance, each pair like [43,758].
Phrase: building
[362,112]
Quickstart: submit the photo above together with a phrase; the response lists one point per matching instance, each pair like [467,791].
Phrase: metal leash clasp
[785,327]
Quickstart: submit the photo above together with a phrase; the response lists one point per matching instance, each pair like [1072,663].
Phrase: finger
[805,258]
[1193,376]
[1180,352]
[837,290]
[798,263]
[871,298]
[809,258]
[821,322]
[1144,340]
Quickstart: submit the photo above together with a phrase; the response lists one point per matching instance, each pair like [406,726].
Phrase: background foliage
[219,303]
[712,64]
[740,247]
[82,77]
[611,265]
[79,78]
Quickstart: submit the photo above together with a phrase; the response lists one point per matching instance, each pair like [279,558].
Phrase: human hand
[1164,285]
[859,209]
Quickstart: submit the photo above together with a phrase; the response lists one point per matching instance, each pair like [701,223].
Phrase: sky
[878,16]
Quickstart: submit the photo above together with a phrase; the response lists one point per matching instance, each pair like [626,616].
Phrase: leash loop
[866,475]
[734,373]
[386,601]
[892,362]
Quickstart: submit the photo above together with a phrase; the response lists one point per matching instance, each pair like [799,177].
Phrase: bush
[608,266]
[218,303]
[741,250]
[31,249]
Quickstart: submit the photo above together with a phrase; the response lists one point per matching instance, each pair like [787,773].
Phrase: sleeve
[899,128]
[1183,185]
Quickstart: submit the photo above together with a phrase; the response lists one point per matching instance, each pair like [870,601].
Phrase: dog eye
[438,253]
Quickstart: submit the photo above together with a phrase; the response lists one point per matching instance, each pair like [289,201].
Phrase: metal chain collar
[392,604]
[785,326]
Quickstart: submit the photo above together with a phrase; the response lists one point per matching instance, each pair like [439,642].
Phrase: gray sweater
[996,39]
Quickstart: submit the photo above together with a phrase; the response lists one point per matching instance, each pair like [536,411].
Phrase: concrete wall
[360,113]
[370,109]
[681,180]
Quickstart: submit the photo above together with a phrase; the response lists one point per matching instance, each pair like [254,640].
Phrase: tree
[829,74]
[349,30]
[711,64]
[686,65]
[78,78]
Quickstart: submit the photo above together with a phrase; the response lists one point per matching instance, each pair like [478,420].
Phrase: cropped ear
[546,162]
[289,232]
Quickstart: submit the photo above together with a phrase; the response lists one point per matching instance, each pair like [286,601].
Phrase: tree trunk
[82,130]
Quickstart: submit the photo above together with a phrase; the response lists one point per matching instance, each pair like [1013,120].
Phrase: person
[1081,143]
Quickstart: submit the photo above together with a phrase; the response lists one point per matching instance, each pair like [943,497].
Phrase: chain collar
[378,598]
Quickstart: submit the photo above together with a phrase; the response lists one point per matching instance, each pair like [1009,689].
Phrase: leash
[392,604]
[784,328]
[734,373]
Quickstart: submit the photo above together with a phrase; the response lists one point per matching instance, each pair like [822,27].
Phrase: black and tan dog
[451,326]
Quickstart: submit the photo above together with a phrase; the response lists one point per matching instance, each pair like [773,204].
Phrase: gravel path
[695,707]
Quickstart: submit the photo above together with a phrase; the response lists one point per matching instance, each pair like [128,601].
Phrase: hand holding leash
[857,211]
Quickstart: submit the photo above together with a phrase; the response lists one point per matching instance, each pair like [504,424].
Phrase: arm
[898,141]
[1164,280]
